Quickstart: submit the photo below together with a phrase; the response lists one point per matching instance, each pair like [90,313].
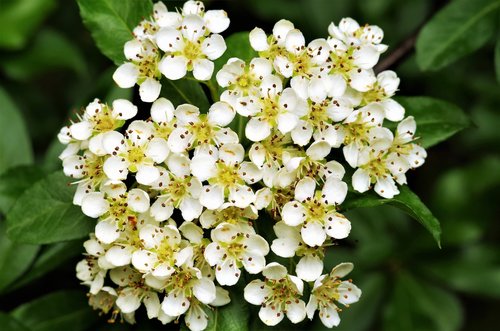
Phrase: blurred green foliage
[50,67]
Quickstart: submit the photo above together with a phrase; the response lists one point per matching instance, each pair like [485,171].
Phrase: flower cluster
[179,197]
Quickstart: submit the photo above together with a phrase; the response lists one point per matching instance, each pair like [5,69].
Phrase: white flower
[315,211]
[229,213]
[274,109]
[242,79]
[191,48]
[289,243]
[232,249]
[194,129]
[89,272]
[142,69]
[227,177]
[328,290]
[278,295]
[382,91]
[138,152]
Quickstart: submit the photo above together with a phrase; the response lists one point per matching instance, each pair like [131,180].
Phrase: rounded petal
[213,47]
[287,122]
[305,189]
[146,175]
[124,109]
[256,291]
[203,69]
[81,130]
[106,232]
[337,226]
[173,67]
[329,316]
[227,273]
[149,90]
[138,200]
[258,40]
[341,270]
[271,315]
[313,234]
[126,75]
[309,268]
[175,304]
[119,255]
[216,20]
[296,311]
[212,196]
[128,302]
[293,213]
[94,204]
[334,191]
[318,150]
[257,130]
[204,290]
[162,110]
[115,168]
[221,113]
[274,271]
[386,187]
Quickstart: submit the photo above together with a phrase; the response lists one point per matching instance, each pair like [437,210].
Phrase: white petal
[253,263]
[227,273]
[157,150]
[173,67]
[124,109]
[393,110]
[192,232]
[309,268]
[250,173]
[349,293]
[212,196]
[191,208]
[337,226]
[146,175]
[351,154]
[113,142]
[365,57]
[94,204]
[386,188]
[196,319]
[115,168]
[361,180]
[162,110]
[149,90]
[203,69]
[305,188]
[283,66]
[334,191]
[221,113]
[144,261]
[271,315]
[274,271]
[337,85]
[175,304]
[241,195]
[293,213]
[152,302]
[257,130]
[81,130]
[263,198]
[119,255]
[302,133]
[295,41]
[213,254]
[126,75]
[281,29]
[216,20]
[258,40]
[221,297]
[287,122]
[106,232]
[162,209]
[231,153]
[329,316]
[285,247]
[204,290]
[138,200]
[296,311]
[362,80]
[128,302]
[313,234]
[319,150]
[179,140]
[213,47]
[179,164]
[169,39]
[192,27]
[341,270]
[203,167]
[255,292]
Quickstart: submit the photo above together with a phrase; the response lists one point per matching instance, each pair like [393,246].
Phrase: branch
[403,51]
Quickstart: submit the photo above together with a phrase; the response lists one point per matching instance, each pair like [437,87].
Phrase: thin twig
[403,51]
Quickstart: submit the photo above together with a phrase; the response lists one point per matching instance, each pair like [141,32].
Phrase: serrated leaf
[405,200]
[416,306]
[185,91]
[14,182]
[45,213]
[437,120]
[15,259]
[111,23]
[49,259]
[9,323]
[13,129]
[58,311]
[457,30]
[31,13]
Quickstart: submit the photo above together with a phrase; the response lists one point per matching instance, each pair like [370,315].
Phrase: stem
[401,52]
[213,90]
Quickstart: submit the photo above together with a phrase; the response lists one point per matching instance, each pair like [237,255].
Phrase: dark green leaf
[111,23]
[58,311]
[40,57]
[185,91]
[15,259]
[45,213]
[417,306]
[20,19]
[52,256]
[12,129]
[9,323]
[405,200]
[457,30]
[437,120]
[14,182]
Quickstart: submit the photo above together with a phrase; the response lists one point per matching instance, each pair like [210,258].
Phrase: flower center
[177,189]
[192,50]
[316,210]
[270,110]
[283,293]
[202,131]
[227,175]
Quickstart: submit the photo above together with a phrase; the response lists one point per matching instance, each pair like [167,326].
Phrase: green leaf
[40,57]
[14,182]
[9,323]
[12,129]
[58,311]
[20,18]
[417,306]
[405,200]
[185,91]
[111,23]
[45,213]
[15,259]
[457,30]
[51,257]
[437,120]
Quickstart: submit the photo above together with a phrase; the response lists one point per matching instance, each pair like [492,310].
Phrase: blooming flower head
[330,289]
[278,295]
